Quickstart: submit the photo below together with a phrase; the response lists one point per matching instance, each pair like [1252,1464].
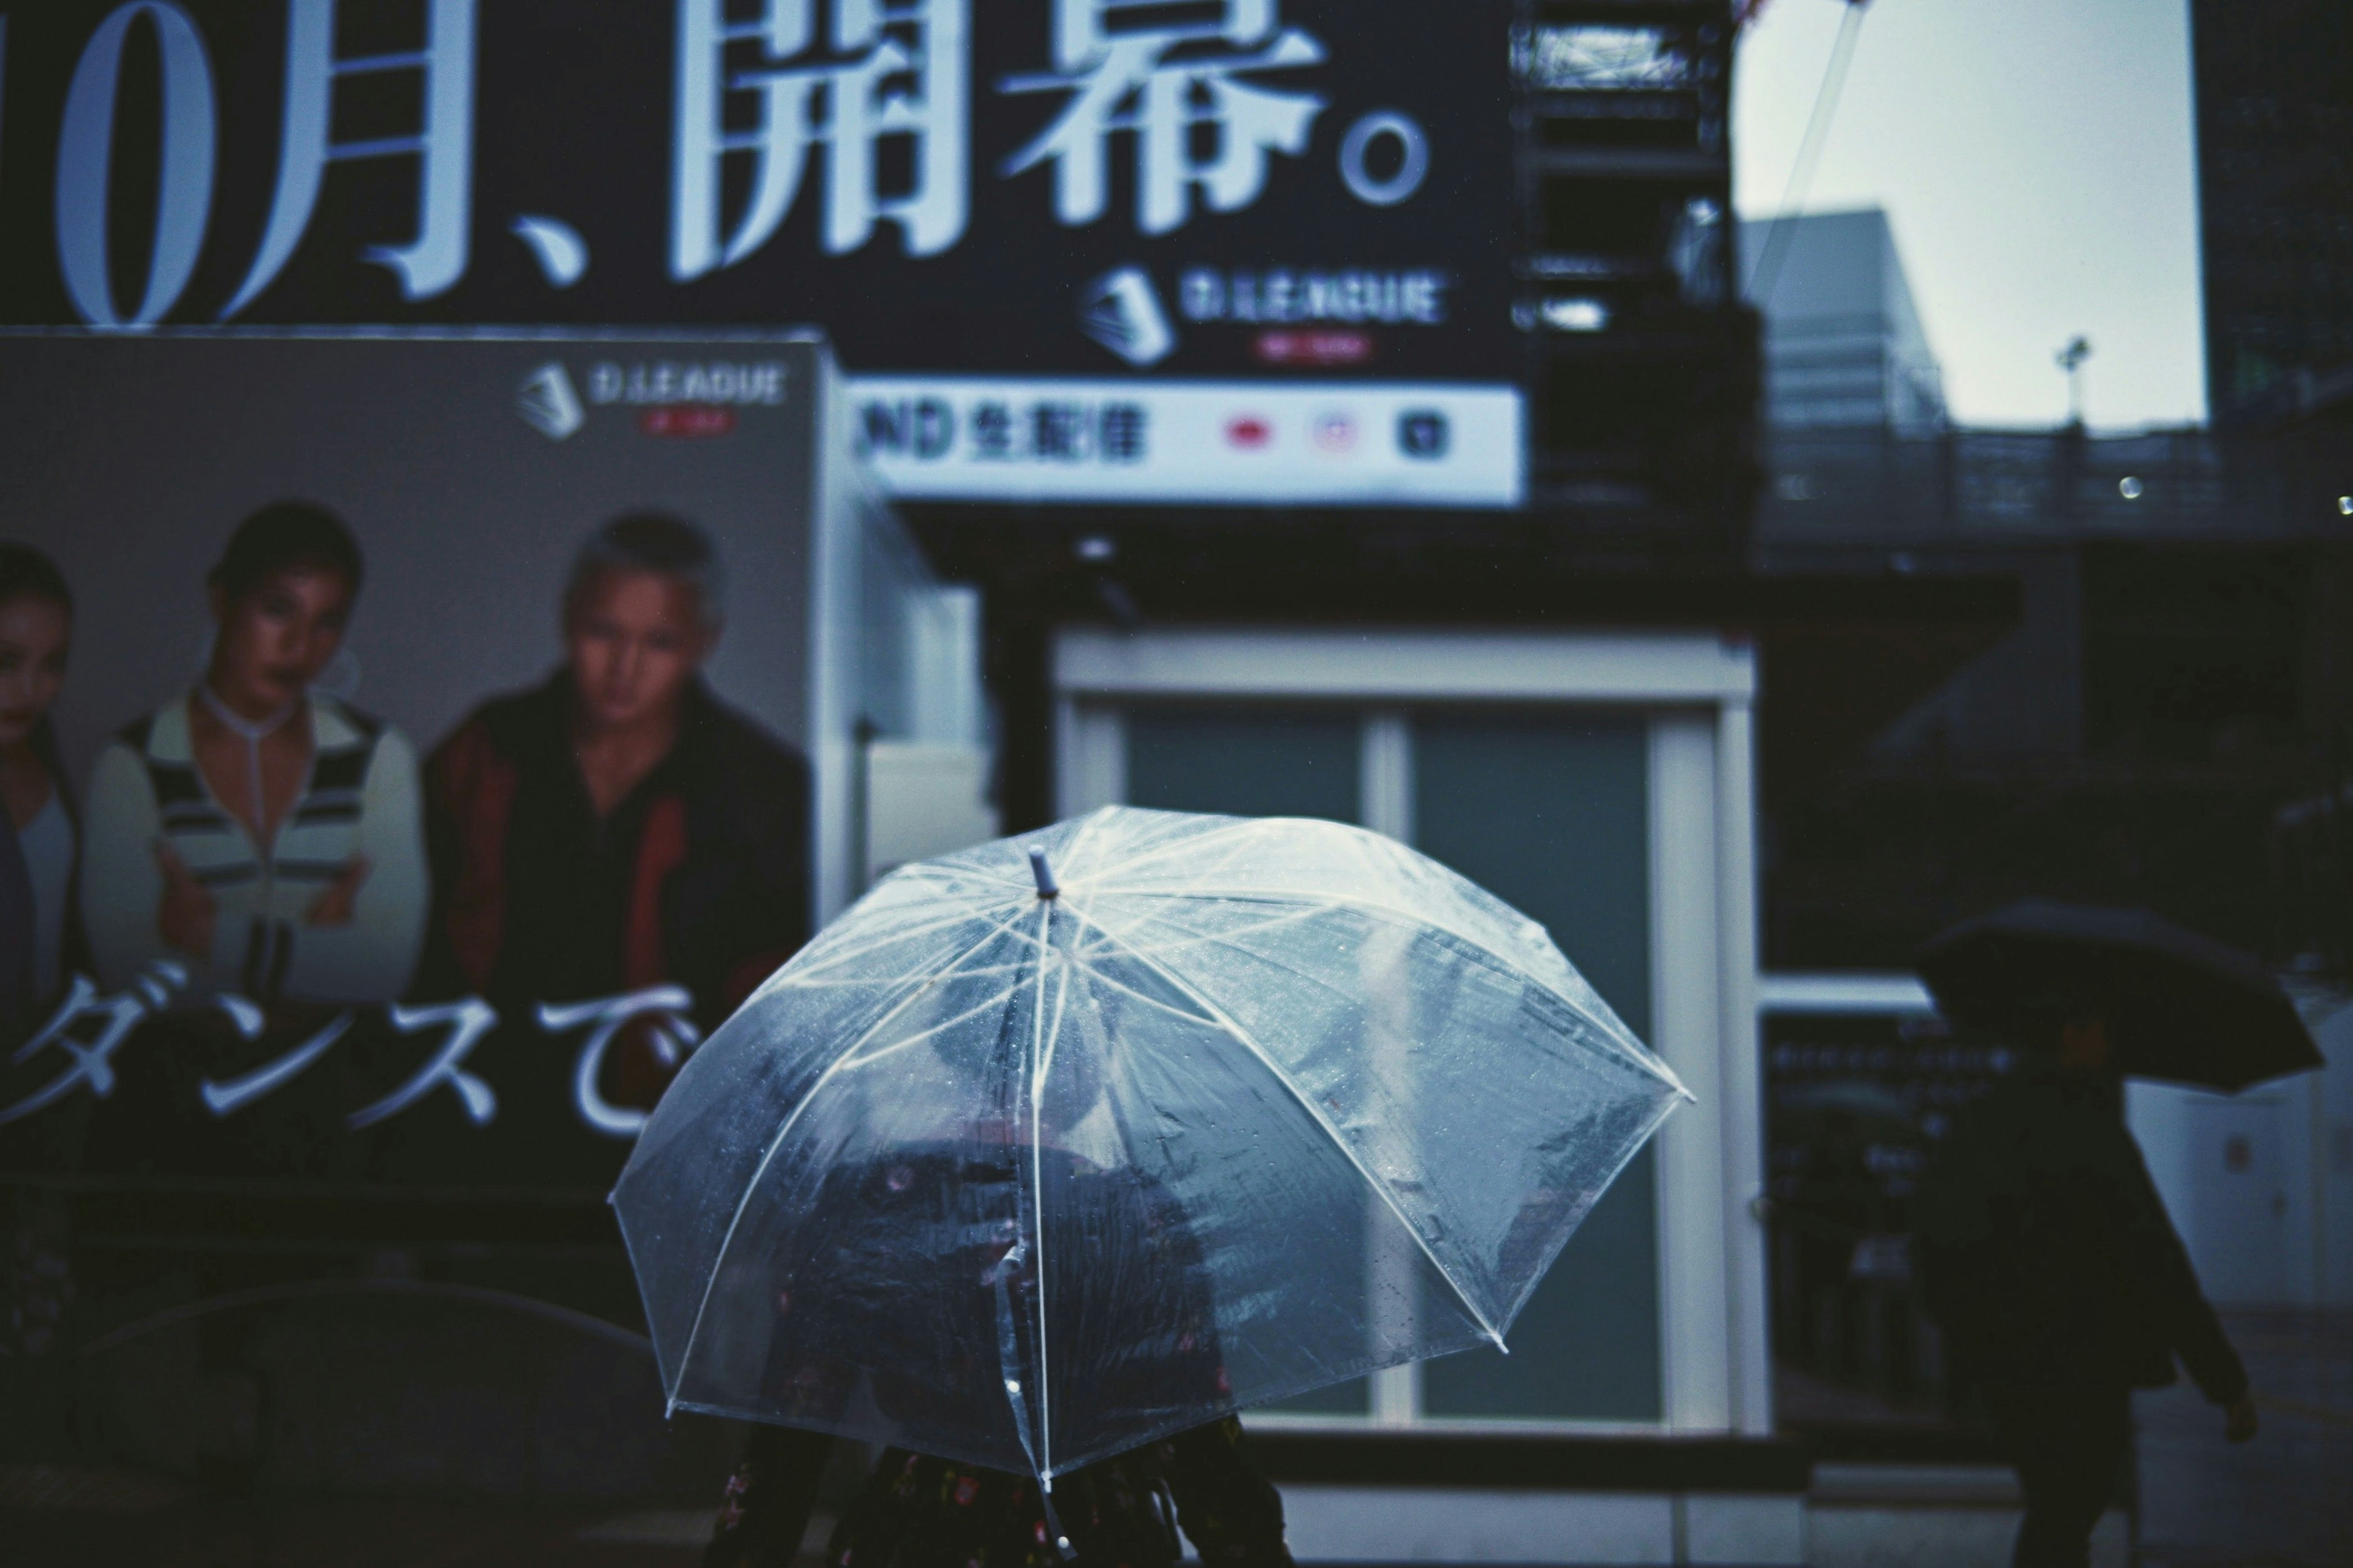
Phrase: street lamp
[2071,359]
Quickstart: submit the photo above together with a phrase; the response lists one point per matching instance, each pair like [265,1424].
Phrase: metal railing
[1872,486]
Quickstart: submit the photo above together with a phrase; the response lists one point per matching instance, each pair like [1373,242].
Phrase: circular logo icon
[1335,433]
[1249,431]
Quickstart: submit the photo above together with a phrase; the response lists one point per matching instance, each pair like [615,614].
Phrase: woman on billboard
[38,833]
[256,831]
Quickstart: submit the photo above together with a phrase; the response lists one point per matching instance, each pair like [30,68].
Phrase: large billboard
[1311,192]
[343,889]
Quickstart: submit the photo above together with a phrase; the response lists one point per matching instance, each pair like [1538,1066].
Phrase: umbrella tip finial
[1047,886]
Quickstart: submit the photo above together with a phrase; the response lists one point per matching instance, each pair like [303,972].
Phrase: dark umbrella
[2179,1006]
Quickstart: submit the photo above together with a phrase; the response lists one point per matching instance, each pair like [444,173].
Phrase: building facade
[1844,343]
[2163,723]
[2275,115]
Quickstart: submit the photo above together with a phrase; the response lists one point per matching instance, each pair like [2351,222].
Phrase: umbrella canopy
[1030,1165]
[2179,1006]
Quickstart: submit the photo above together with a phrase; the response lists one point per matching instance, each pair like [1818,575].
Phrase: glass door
[1246,761]
[1254,762]
[1550,811]
[1548,807]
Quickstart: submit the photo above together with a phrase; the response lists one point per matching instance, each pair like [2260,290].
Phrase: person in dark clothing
[915,1510]
[913,1291]
[2048,1260]
[618,828]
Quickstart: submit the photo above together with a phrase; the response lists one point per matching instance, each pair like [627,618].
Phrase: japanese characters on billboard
[1312,192]
[953,438]
[413,746]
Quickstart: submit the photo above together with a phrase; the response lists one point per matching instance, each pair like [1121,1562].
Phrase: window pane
[1244,762]
[1252,763]
[1551,813]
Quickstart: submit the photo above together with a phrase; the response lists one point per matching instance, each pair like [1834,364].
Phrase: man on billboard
[618,829]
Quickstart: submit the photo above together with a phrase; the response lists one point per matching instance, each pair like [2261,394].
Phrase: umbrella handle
[1009,1357]
[1054,1521]
[1047,886]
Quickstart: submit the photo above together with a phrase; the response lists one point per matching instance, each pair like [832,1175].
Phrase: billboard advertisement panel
[1312,191]
[448,730]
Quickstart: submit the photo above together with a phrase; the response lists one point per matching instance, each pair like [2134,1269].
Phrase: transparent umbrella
[1051,1147]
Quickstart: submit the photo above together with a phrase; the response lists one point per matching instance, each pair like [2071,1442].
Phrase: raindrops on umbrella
[1067,1142]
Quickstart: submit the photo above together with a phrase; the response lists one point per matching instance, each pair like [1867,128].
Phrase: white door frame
[1697,690]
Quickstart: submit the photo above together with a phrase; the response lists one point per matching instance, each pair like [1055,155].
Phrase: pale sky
[2036,161]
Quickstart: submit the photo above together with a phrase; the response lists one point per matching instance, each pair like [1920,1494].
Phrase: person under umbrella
[2046,1253]
[948,1199]
[1052,1155]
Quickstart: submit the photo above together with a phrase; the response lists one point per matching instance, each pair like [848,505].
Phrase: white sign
[988,439]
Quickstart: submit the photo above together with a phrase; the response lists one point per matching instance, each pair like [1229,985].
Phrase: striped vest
[315,839]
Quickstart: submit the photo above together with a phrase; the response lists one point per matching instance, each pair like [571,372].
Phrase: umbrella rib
[872,982]
[1195,937]
[1613,1028]
[1097,977]
[1041,1058]
[1615,1053]
[1190,844]
[1266,1059]
[1226,940]
[1316,897]
[928,873]
[1087,824]
[1006,928]
[928,870]
[824,958]
[719,1258]
[862,1058]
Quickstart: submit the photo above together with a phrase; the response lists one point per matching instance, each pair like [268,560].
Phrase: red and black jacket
[699,878]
